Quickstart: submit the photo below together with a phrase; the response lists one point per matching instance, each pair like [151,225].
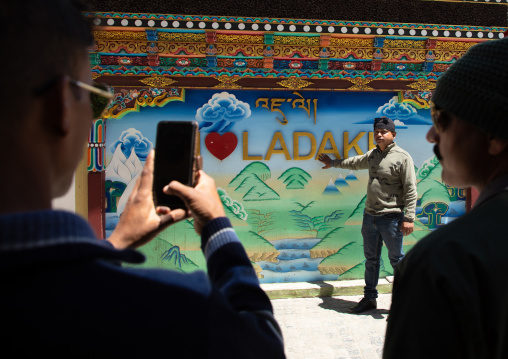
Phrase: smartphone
[175,159]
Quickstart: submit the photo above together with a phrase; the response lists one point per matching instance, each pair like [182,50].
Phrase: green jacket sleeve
[408,179]
[353,163]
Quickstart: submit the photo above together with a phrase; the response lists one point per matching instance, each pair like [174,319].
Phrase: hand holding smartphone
[175,159]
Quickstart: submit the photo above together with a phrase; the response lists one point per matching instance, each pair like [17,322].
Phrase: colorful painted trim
[188,46]
[133,99]
[269,73]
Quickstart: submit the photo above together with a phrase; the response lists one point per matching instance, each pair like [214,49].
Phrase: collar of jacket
[388,148]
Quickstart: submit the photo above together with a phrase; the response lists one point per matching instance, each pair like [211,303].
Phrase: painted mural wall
[297,221]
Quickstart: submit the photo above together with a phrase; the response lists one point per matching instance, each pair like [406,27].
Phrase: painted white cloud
[395,110]
[132,139]
[221,112]
[403,114]
[399,124]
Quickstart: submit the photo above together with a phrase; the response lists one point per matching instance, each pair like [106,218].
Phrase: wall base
[322,289]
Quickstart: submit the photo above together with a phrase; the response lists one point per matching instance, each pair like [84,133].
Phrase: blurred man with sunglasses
[450,299]
[390,205]
[64,293]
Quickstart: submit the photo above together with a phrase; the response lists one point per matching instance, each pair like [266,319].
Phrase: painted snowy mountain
[340,181]
[351,176]
[125,195]
[121,168]
[125,170]
[330,188]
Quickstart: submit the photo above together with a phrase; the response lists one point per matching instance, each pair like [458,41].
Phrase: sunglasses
[100,95]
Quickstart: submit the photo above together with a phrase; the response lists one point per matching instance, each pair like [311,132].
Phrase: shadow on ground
[342,306]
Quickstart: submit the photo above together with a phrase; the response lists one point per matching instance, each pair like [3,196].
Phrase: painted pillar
[96,178]
[96,201]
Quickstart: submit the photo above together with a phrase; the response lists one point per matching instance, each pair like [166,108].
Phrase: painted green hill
[430,190]
[346,258]
[257,247]
[233,206]
[356,216]
[358,272]
[260,192]
[257,168]
[335,240]
[178,260]
[162,254]
[248,182]
[431,168]
[255,189]
[251,182]
[295,184]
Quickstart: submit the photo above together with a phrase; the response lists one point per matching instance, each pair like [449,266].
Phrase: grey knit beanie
[475,88]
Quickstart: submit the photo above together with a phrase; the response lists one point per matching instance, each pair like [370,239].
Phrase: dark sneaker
[364,305]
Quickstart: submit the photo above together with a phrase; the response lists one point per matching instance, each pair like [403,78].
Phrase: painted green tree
[320,224]
[114,191]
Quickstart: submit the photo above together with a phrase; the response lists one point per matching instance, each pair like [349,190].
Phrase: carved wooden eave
[187,51]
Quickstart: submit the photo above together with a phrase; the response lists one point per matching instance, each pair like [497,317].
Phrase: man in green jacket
[390,205]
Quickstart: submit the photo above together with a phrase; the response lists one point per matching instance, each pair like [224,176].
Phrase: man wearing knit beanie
[389,207]
[450,299]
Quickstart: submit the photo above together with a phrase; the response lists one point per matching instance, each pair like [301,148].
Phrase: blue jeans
[375,230]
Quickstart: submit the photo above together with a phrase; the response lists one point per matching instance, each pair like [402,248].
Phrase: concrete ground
[322,327]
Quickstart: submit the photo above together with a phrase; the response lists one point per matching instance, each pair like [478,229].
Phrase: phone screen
[174,159]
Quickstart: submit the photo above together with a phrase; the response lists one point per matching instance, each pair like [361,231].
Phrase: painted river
[294,263]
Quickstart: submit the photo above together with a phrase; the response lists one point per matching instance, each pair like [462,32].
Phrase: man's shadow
[342,306]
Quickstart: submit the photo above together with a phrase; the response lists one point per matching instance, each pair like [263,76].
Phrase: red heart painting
[221,146]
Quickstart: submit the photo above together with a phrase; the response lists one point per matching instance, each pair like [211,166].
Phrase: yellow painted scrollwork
[296,40]
[120,35]
[157,81]
[360,84]
[181,37]
[240,39]
[351,42]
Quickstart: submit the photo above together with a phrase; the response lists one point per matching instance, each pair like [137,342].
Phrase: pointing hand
[326,160]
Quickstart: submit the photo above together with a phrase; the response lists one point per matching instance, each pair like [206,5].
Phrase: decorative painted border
[288,26]
[268,73]
[133,98]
